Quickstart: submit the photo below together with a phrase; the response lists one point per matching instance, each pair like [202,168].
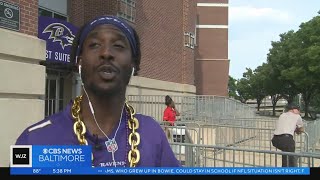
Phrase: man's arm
[299,127]
[299,130]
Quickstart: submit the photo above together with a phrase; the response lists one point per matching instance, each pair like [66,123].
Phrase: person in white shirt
[287,125]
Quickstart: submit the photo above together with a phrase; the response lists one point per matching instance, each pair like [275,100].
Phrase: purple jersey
[57,129]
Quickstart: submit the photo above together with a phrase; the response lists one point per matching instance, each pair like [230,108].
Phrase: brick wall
[81,11]
[28,16]
[190,15]
[212,62]
[161,27]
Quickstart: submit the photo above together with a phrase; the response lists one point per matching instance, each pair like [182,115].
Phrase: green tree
[257,80]
[305,56]
[243,87]
[251,86]
[232,88]
[315,102]
[272,84]
[279,60]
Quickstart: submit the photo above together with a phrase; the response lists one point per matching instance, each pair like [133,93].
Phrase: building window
[189,40]
[53,14]
[127,10]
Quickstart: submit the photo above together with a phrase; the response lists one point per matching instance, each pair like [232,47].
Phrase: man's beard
[118,89]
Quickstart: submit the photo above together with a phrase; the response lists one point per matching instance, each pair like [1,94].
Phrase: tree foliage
[292,67]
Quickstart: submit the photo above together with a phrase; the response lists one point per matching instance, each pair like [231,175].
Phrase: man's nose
[106,52]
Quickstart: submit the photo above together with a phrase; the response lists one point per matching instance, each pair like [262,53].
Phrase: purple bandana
[113,20]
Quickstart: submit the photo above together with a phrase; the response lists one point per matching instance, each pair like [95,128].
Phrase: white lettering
[59,158]
[54,151]
[122,171]
[109,164]
[19,156]
[62,57]
[11,6]
[165,171]
[72,151]
[48,54]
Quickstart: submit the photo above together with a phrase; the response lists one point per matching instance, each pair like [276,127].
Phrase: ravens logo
[60,33]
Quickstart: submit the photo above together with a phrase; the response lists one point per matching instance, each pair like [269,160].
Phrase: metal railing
[231,136]
[199,155]
[193,108]
[221,132]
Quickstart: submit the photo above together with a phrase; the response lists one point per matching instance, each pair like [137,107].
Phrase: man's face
[106,60]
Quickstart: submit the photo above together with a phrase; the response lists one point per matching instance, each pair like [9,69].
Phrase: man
[288,123]
[107,52]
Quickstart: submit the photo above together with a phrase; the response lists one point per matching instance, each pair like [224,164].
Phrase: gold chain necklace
[133,124]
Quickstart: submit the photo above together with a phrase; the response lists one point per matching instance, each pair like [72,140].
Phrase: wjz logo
[20,156]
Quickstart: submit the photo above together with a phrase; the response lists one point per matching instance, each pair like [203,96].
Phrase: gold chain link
[134,137]
[79,129]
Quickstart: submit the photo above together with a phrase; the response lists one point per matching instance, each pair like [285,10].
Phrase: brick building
[211,59]
[161,26]
[183,42]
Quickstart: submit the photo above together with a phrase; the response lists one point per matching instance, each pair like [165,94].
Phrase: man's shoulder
[286,114]
[147,120]
[149,128]
[48,122]
[46,130]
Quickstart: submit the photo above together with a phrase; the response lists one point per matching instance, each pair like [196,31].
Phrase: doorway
[54,93]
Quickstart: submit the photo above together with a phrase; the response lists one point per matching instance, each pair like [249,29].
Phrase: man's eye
[92,45]
[119,46]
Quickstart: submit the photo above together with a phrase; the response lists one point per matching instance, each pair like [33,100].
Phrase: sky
[254,24]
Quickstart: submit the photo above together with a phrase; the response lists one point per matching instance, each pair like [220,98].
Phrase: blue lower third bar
[160,171]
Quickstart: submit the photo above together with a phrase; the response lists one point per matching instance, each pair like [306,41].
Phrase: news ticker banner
[76,160]
[160,171]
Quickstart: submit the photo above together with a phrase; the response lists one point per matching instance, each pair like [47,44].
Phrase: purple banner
[59,36]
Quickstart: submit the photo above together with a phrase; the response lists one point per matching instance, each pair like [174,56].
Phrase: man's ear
[133,68]
[78,60]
